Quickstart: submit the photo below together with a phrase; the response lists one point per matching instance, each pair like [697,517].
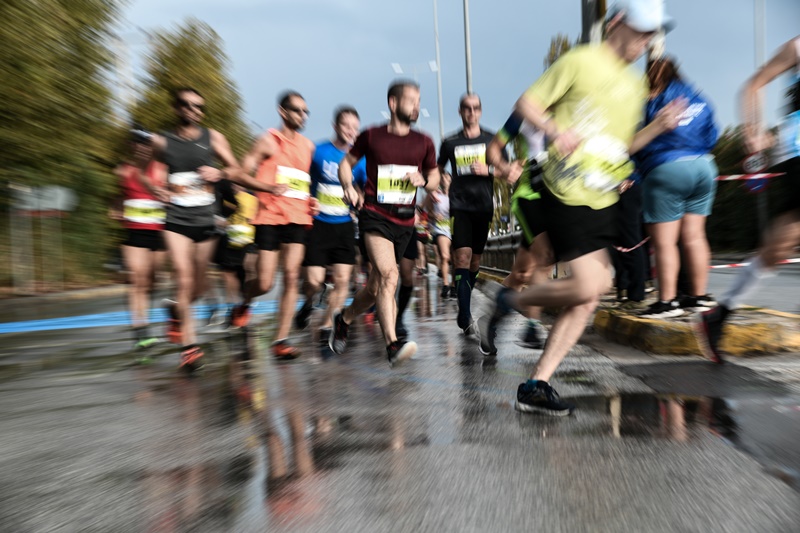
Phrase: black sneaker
[541,398]
[445,292]
[453,293]
[400,351]
[661,309]
[303,317]
[487,332]
[324,335]
[698,304]
[400,330]
[337,340]
[708,332]
[533,337]
[464,320]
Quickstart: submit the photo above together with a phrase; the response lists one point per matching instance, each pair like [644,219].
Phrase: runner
[471,200]
[142,181]
[783,236]
[282,159]
[534,259]
[189,153]
[332,241]
[437,204]
[399,160]
[588,103]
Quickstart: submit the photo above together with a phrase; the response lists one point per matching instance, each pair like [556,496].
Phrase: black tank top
[187,155]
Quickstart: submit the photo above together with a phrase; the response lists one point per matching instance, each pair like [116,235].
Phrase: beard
[406,118]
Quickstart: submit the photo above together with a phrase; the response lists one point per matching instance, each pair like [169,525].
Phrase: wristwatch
[491,170]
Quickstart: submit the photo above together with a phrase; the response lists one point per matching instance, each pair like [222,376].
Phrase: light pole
[759,43]
[431,66]
[438,68]
[467,48]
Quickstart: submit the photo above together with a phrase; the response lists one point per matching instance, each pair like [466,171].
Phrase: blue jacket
[695,135]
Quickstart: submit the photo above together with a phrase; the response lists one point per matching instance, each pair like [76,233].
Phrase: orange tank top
[290,165]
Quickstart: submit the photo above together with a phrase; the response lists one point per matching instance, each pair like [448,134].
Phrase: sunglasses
[470,108]
[298,110]
[198,107]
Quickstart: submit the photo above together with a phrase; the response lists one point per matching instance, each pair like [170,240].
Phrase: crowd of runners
[588,132]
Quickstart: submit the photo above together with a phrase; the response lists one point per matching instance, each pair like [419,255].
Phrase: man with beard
[281,158]
[332,240]
[399,160]
[471,200]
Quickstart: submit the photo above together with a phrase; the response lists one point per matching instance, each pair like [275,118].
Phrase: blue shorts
[672,190]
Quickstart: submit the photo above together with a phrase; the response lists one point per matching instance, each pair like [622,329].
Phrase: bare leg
[341,285]
[140,263]
[696,252]
[443,245]
[668,260]
[291,259]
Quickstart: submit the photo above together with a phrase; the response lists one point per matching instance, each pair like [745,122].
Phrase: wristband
[491,170]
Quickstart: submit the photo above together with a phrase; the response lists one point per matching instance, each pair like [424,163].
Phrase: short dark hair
[176,94]
[398,86]
[344,110]
[286,96]
[468,95]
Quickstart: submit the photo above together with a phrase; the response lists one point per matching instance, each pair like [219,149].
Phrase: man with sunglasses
[471,200]
[282,159]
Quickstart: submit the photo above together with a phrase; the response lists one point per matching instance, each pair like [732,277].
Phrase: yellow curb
[758,332]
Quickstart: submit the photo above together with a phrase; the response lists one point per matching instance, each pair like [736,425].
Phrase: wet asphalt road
[344,443]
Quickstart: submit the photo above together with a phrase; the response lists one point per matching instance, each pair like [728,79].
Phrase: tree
[56,120]
[192,56]
[558,46]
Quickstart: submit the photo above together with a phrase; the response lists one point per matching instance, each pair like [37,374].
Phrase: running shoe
[534,336]
[445,292]
[698,304]
[191,358]
[464,319]
[400,330]
[661,309]
[283,351]
[145,343]
[174,333]
[453,293]
[324,334]
[303,317]
[708,332]
[487,332]
[240,316]
[400,351]
[337,341]
[540,397]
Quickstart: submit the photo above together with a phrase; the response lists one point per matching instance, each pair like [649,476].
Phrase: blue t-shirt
[325,185]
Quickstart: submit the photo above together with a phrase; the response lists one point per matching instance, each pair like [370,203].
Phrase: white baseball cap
[642,15]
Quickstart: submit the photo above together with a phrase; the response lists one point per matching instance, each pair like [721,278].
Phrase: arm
[666,119]
[750,102]
[263,148]
[351,196]
[565,141]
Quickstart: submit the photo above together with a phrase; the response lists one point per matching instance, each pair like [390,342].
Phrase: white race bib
[468,154]
[189,190]
[331,200]
[298,182]
[144,211]
[392,187]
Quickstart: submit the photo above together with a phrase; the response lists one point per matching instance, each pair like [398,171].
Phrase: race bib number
[240,235]
[144,211]
[297,181]
[189,190]
[467,155]
[392,187]
[331,200]
[788,142]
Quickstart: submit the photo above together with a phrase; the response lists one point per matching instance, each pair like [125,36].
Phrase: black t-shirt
[467,191]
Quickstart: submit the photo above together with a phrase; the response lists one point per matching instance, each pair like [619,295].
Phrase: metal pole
[468,53]
[438,68]
[759,35]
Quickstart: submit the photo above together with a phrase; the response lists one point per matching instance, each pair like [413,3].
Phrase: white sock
[746,283]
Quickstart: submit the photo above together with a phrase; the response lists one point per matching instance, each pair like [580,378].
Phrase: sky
[341,51]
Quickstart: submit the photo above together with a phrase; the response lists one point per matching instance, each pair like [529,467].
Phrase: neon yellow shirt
[602,98]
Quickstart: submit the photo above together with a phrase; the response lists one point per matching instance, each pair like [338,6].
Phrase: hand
[115,214]
[313,205]
[756,140]
[479,169]
[161,194]
[625,185]
[352,197]
[513,171]
[278,189]
[669,116]
[566,142]
[210,174]
[415,178]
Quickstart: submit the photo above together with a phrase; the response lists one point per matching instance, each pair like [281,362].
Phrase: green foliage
[192,56]
[56,118]
[558,46]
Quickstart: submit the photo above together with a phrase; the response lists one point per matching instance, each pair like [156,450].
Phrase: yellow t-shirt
[240,230]
[602,98]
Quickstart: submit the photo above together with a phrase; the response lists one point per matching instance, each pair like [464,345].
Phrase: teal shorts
[672,190]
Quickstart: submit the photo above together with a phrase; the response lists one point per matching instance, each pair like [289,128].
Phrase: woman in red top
[143,251]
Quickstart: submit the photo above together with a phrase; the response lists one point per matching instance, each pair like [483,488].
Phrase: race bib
[788,143]
[189,190]
[392,188]
[468,154]
[240,235]
[144,211]
[297,181]
[331,200]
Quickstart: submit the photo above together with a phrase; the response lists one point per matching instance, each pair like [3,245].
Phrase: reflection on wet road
[344,443]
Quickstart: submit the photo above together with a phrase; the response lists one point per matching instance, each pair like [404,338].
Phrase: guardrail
[498,255]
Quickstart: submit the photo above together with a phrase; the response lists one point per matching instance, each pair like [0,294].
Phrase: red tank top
[141,210]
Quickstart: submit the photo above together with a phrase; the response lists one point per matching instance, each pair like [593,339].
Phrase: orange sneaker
[283,351]
[240,316]
[174,333]
[191,357]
